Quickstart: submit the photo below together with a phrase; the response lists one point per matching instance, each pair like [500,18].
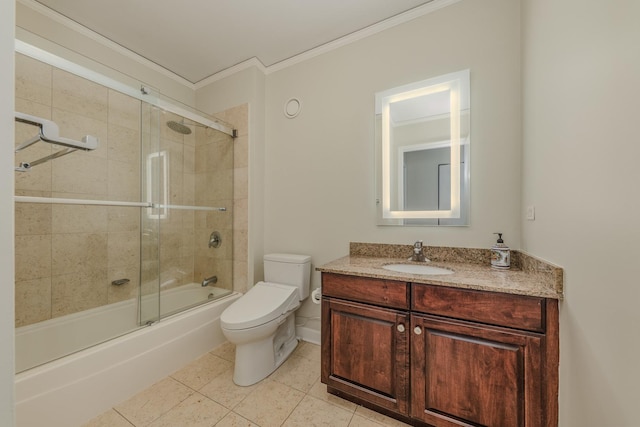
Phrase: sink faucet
[210,281]
[418,255]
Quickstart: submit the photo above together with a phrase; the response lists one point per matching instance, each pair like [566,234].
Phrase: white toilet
[261,323]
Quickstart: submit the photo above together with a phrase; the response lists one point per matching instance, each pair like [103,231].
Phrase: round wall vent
[292,108]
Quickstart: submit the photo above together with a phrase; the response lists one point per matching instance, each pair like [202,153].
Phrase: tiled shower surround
[68,255]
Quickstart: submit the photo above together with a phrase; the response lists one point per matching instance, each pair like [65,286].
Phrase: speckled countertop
[472,269]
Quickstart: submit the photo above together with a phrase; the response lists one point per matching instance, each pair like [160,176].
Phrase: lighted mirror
[422,152]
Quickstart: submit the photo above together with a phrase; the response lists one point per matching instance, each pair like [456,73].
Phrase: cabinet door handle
[400,327]
[417,330]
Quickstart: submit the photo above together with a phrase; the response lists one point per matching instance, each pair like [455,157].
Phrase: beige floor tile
[293,396]
[202,371]
[222,390]
[226,351]
[312,412]
[308,351]
[235,420]
[378,418]
[358,421]
[319,391]
[269,404]
[153,402]
[298,372]
[195,411]
[109,419]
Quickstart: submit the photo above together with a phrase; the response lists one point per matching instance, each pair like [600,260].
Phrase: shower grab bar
[49,132]
[61,201]
[191,208]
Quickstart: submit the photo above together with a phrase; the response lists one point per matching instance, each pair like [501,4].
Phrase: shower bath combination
[112,241]
[118,242]
[90,259]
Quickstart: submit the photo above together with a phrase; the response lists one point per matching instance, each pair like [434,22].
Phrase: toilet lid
[263,303]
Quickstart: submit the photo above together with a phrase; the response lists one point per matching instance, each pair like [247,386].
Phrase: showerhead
[179,127]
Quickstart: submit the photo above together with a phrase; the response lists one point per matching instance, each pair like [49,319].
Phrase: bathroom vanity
[478,347]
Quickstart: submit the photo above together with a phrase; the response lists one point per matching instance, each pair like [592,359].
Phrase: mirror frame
[457,83]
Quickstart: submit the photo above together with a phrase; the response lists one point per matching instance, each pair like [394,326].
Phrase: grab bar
[191,208]
[61,201]
[49,132]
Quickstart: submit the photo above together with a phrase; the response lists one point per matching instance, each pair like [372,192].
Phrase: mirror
[422,152]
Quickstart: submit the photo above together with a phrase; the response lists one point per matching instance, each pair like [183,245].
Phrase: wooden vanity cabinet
[465,374]
[365,347]
[483,359]
[441,356]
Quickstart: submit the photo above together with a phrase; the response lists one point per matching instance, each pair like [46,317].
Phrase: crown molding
[363,33]
[74,26]
[252,62]
[401,18]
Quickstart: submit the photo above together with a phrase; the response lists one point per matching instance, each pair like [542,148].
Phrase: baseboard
[309,331]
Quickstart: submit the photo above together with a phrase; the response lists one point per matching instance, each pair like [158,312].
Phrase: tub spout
[210,281]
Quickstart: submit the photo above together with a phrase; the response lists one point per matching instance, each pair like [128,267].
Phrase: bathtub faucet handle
[215,240]
[210,281]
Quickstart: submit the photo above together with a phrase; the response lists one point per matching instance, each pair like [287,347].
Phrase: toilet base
[256,360]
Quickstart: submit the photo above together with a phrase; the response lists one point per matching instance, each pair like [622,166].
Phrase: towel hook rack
[49,132]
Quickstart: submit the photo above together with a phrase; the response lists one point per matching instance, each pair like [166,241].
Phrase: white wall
[581,91]
[319,180]
[7,99]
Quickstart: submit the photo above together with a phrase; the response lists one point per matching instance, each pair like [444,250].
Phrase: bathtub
[76,388]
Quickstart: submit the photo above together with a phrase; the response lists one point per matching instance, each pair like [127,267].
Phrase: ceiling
[196,39]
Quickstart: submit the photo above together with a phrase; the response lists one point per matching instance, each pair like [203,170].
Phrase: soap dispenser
[500,254]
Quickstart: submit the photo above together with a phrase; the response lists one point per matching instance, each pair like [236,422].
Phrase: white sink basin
[417,269]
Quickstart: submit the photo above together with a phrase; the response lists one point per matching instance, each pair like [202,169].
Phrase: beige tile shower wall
[67,255]
[214,187]
[239,117]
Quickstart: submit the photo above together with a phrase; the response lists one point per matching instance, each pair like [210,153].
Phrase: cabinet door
[467,374]
[365,352]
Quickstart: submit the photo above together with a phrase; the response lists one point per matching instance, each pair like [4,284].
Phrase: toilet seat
[263,303]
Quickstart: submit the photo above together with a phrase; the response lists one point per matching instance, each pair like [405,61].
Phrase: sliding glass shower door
[113,239]
[188,231]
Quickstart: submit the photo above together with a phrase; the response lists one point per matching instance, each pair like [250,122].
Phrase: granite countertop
[472,269]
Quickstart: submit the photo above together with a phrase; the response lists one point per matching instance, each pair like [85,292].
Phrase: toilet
[261,323]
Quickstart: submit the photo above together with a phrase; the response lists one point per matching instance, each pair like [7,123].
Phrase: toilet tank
[289,269]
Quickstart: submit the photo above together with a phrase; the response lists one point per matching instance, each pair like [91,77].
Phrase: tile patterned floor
[202,394]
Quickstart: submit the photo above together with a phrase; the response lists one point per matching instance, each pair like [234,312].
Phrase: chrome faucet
[418,255]
[210,281]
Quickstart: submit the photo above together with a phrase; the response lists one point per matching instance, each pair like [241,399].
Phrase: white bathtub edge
[77,388]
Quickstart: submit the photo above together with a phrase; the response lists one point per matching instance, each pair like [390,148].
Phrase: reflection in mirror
[422,152]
